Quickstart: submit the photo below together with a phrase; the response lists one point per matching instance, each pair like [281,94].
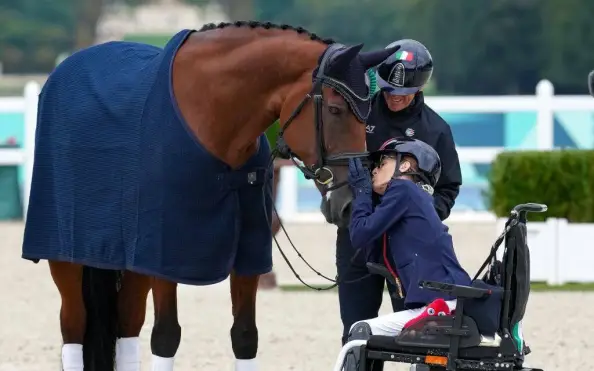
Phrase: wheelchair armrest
[458,291]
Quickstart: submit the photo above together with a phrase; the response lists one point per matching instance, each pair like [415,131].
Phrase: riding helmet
[428,162]
[406,71]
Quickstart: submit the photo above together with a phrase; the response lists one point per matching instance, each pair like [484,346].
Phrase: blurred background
[510,75]
[480,47]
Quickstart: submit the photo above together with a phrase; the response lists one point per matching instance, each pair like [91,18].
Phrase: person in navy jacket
[398,109]
[415,244]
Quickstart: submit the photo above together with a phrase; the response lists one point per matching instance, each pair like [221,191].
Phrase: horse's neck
[229,96]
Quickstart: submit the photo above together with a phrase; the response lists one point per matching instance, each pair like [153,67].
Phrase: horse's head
[339,104]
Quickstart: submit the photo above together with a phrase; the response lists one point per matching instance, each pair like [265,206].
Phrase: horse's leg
[166,334]
[73,316]
[131,313]
[88,315]
[244,333]
[268,280]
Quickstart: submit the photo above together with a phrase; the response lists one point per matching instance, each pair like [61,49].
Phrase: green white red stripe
[404,55]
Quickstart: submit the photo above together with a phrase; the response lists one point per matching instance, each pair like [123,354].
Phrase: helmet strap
[397,171]
[417,177]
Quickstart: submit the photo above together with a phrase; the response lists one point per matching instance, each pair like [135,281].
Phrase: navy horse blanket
[119,181]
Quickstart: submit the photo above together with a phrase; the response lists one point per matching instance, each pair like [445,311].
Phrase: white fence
[24,155]
[544,102]
[560,252]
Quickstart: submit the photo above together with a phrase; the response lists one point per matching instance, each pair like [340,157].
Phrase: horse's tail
[100,295]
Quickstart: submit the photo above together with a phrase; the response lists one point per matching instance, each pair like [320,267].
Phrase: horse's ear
[373,58]
[344,57]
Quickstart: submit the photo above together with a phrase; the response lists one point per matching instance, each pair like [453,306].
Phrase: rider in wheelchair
[415,253]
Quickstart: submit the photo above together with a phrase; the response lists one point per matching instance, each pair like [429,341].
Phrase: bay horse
[151,169]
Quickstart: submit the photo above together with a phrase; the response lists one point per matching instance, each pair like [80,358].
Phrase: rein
[267,192]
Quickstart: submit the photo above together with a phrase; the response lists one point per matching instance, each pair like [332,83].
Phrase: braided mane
[268,26]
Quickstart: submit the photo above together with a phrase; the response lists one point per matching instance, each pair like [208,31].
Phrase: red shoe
[437,308]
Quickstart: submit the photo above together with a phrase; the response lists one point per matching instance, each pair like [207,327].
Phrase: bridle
[324,160]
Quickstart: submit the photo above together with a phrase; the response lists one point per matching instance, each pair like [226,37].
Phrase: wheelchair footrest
[437,331]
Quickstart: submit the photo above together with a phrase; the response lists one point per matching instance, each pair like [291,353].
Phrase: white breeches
[391,324]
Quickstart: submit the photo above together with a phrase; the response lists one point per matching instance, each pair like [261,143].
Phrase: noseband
[321,171]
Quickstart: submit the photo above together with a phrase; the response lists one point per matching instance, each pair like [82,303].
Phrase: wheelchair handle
[529,208]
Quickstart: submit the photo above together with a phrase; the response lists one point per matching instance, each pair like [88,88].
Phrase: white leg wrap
[162,364]
[72,357]
[128,354]
[246,365]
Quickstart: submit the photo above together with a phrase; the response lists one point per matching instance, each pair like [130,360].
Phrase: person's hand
[359,177]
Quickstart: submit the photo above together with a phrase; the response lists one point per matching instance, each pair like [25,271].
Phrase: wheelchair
[453,342]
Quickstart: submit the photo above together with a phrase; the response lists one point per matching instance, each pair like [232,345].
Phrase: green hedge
[564,180]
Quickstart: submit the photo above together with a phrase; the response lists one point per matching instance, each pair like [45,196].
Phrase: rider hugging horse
[151,169]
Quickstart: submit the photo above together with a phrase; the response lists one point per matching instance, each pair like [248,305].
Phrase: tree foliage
[32,31]
[479,47]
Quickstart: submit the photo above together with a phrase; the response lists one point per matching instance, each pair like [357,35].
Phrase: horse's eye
[334,110]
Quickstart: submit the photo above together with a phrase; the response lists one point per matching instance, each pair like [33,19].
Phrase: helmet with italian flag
[406,71]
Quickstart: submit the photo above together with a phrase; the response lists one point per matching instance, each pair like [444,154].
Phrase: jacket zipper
[389,266]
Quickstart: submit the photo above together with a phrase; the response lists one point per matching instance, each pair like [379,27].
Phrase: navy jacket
[420,122]
[419,246]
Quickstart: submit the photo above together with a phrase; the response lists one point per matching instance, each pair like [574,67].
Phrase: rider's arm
[367,225]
